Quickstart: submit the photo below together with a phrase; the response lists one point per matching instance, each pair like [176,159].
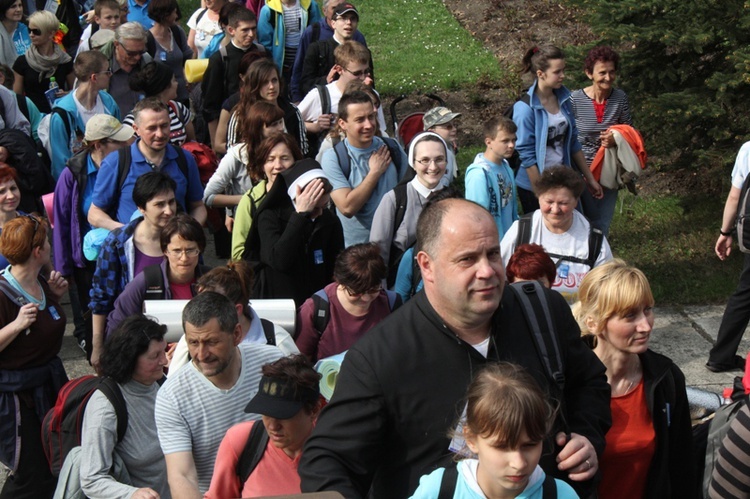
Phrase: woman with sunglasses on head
[182,242]
[31,373]
[294,237]
[66,129]
[45,59]
[356,299]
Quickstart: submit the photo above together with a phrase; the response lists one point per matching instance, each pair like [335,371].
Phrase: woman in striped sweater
[596,108]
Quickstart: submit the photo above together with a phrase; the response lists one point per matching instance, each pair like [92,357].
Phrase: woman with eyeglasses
[45,59]
[182,242]
[14,35]
[356,300]
[31,373]
[67,128]
[428,156]
[133,359]
[295,238]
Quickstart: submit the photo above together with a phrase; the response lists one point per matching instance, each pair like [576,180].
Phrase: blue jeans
[600,211]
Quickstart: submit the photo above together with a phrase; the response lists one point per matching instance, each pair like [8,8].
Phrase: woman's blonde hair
[45,21]
[502,402]
[609,290]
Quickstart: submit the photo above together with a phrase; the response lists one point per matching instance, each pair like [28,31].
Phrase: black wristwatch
[726,234]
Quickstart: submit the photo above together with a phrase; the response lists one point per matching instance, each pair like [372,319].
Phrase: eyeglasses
[35,31]
[107,72]
[372,291]
[359,74]
[130,53]
[186,252]
[36,222]
[426,161]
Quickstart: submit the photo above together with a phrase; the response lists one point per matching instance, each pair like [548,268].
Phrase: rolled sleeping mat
[329,369]
[195,69]
[169,312]
[702,402]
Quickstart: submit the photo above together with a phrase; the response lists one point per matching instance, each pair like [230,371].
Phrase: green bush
[686,68]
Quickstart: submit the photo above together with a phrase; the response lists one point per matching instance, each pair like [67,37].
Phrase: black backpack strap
[315,33]
[109,388]
[325,99]
[537,313]
[321,311]
[154,282]
[524,229]
[342,155]
[124,158]
[401,202]
[183,166]
[200,16]
[23,106]
[416,276]
[549,488]
[253,451]
[395,151]
[150,44]
[596,241]
[448,482]
[12,293]
[269,331]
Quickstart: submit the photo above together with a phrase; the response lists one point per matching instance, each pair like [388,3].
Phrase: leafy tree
[686,68]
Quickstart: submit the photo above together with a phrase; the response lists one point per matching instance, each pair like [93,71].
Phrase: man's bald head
[430,223]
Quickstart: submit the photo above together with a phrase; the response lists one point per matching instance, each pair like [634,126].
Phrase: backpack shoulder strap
[315,33]
[269,331]
[65,116]
[321,312]
[536,310]
[549,488]
[154,282]
[23,106]
[401,201]
[109,388]
[596,241]
[342,155]
[524,229]
[395,151]
[416,276]
[124,158]
[197,19]
[12,293]
[253,451]
[394,300]
[448,482]
[182,163]
[325,99]
[150,43]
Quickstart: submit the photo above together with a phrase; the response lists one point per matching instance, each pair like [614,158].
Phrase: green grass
[672,240]
[417,45]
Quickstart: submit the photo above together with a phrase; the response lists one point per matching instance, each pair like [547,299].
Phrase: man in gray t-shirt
[203,399]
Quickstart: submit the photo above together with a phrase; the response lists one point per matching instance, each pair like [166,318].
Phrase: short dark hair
[106,4]
[493,126]
[159,10]
[150,103]
[4,6]
[350,98]
[242,14]
[226,11]
[601,54]
[360,267]
[129,341]
[209,305]
[186,227]
[297,369]
[559,176]
[151,184]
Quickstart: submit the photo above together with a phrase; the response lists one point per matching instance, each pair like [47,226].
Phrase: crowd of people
[451,385]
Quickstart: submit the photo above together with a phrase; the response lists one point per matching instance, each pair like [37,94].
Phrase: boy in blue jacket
[489,179]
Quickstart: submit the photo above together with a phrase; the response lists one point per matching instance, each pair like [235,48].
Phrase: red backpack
[62,425]
[204,157]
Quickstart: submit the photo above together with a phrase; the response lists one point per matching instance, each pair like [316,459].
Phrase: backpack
[396,254]
[322,310]
[718,427]
[253,451]
[596,241]
[743,212]
[62,425]
[34,177]
[342,155]
[204,157]
[75,141]
[450,478]
[515,160]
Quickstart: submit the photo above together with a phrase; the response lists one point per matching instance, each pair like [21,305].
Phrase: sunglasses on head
[35,31]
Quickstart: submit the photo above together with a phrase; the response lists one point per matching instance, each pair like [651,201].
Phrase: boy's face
[353,71]
[360,124]
[503,144]
[345,26]
[448,131]
[244,34]
[108,18]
